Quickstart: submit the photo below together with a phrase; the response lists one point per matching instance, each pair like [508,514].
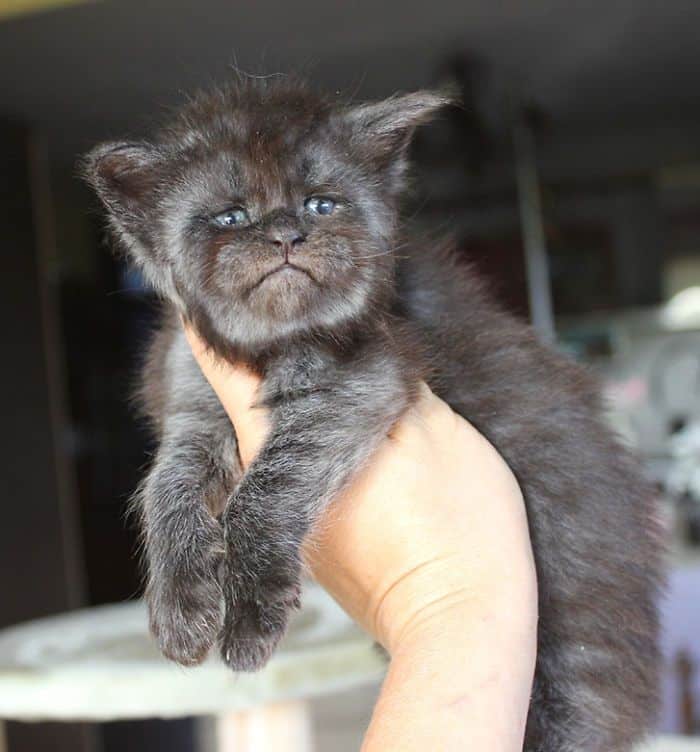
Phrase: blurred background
[571,177]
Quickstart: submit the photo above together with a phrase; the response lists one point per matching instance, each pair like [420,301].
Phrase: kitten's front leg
[318,443]
[188,484]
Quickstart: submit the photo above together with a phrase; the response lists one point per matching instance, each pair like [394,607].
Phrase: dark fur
[342,345]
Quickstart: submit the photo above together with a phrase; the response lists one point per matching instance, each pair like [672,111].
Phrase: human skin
[429,551]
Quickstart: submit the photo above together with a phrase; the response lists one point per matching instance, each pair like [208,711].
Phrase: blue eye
[236,216]
[320,205]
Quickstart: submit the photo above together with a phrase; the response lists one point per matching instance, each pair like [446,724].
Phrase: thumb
[236,386]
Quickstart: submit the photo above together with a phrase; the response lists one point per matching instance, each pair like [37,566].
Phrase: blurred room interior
[570,176]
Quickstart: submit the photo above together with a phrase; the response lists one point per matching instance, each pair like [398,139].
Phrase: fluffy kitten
[267,216]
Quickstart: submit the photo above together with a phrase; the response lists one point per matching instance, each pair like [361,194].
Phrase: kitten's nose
[285,237]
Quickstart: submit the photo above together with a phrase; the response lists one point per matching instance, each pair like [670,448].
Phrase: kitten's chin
[285,303]
[284,294]
[290,304]
[285,277]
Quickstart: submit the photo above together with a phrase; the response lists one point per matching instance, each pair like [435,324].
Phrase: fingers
[237,388]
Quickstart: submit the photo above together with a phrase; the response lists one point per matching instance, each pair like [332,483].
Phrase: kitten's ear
[385,128]
[124,175]
[399,114]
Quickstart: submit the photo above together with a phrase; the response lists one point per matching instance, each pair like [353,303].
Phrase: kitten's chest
[295,375]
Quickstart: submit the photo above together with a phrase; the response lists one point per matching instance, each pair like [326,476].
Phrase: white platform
[101,664]
[673,744]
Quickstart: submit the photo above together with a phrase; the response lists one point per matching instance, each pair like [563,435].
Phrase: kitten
[267,217]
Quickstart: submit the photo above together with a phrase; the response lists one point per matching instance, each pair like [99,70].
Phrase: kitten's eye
[320,205]
[236,216]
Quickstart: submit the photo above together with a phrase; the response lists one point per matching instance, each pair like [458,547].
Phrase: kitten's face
[276,228]
[264,212]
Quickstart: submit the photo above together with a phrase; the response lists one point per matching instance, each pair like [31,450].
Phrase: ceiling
[22,7]
[90,71]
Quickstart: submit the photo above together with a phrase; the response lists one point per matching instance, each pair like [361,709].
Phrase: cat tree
[100,664]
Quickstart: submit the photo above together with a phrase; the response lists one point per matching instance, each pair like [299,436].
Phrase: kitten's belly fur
[594,529]
[591,515]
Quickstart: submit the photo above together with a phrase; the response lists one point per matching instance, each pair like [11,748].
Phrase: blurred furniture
[672,744]
[680,711]
[685,666]
[650,359]
[100,664]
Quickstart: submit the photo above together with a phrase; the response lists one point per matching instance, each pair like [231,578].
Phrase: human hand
[428,549]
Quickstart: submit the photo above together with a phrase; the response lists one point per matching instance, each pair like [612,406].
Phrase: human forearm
[429,550]
[462,683]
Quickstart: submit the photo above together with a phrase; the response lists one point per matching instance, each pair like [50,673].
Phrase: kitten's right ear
[124,175]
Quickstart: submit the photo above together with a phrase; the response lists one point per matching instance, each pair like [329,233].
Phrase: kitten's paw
[254,625]
[185,617]
[184,594]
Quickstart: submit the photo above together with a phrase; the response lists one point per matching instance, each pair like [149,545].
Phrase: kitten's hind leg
[194,473]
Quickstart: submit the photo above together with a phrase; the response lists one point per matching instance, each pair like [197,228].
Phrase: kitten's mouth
[285,268]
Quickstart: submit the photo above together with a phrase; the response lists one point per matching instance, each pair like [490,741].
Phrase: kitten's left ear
[385,128]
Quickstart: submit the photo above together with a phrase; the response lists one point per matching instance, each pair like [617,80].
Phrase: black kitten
[267,216]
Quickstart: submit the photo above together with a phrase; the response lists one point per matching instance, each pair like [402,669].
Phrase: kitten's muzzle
[286,267]
[287,239]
